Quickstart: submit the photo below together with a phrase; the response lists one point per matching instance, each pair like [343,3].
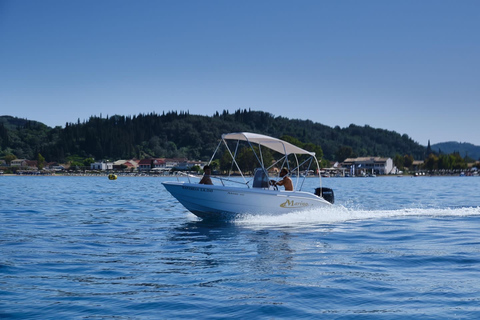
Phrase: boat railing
[190,177]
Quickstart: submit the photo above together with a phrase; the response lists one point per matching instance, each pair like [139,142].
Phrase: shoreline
[172,176]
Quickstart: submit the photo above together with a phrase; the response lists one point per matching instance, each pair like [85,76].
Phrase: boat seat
[260,179]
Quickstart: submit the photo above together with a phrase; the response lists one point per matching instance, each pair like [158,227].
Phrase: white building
[18,163]
[369,165]
[101,166]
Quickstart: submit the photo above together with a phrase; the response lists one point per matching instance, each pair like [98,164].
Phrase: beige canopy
[275,144]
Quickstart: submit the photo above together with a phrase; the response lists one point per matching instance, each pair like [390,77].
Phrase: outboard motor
[326,193]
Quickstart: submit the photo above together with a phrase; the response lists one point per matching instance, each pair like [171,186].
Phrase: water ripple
[90,248]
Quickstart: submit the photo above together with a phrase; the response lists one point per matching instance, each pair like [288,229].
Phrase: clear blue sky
[409,66]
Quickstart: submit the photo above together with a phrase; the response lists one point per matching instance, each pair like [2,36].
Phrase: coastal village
[350,167]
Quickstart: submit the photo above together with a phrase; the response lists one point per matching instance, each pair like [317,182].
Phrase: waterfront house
[31,164]
[145,165]
[369,165]
[19,163]
[129,165]
[159,164]
[54,166]
[171,163]
[102,166]
[196,163]
[182,164]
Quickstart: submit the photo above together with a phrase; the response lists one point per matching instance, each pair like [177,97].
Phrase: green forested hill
[181,134]
[24,138]
[463,148]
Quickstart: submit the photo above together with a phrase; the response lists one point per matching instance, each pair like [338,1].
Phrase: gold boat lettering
[293,204]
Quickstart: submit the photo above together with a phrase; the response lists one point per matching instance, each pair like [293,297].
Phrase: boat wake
[338,214]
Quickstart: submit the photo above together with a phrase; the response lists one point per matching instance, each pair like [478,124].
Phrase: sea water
[91,248]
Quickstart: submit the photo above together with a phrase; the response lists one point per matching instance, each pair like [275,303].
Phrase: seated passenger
[206,176]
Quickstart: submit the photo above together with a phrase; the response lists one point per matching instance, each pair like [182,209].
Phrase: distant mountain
[464,148]
[12,123]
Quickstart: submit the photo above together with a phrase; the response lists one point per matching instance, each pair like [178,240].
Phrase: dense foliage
[466,150]
[451,161]
[174,134]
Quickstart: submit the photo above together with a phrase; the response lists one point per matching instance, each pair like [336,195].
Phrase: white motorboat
[255,195]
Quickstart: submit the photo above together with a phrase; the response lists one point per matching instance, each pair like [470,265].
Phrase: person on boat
[286,181]
[206,176]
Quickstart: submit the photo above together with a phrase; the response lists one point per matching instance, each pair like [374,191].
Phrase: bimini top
[275,144]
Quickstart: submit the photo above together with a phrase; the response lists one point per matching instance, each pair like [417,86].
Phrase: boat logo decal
[294,204]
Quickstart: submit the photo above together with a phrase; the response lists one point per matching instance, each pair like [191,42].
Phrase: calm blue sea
[91,248]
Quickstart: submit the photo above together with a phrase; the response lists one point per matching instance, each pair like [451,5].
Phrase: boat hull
[211,201]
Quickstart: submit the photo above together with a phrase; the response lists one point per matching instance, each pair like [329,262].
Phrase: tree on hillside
[431,162]
[247,160]
[4,139]
[9,158]
[87,162]
[399,161]
[343,153]
[40,162]
[408,161]
[429,148]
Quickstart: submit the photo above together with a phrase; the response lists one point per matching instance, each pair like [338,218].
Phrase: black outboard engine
[326,193]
